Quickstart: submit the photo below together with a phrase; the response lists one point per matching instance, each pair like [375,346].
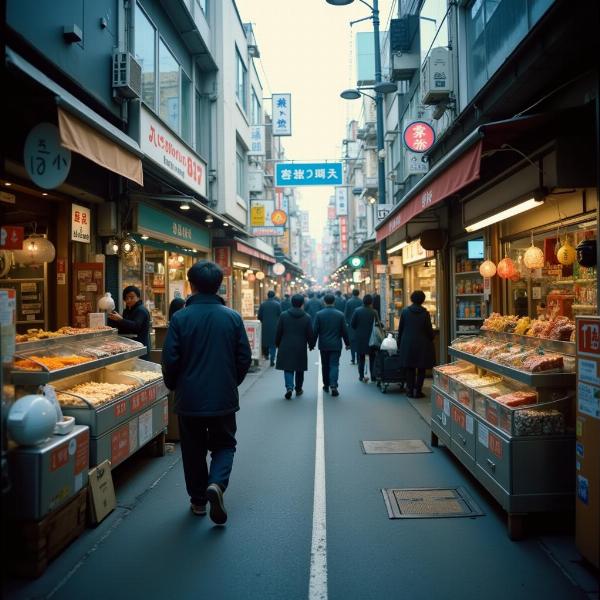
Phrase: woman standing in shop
[415,344]
[135,321]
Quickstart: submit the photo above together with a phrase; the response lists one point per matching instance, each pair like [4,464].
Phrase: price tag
[483,435]
[145,427]
[447,407]
[444,420]
[469,424]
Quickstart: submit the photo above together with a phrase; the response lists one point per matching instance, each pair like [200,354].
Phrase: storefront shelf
[469,295]
[535,342]
[589,307]
[468,273]
[59,340]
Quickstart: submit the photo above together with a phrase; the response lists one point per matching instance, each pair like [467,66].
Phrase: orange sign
[278,217]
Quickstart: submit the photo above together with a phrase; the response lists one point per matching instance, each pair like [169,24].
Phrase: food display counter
[504,409]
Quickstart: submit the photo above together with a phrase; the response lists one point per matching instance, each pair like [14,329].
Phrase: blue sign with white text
[296,174]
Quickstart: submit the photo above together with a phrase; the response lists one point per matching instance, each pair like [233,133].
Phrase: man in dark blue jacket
[268,315]
[330,329]
[206,355]
[313,306]
[351,305]
[340,301]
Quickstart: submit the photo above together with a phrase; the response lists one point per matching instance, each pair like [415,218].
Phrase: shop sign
[164,225]
[80,223]
[163,148]
[588,336]
[279,217]
[382,211]
[46,161]
[331,213]
[223,259]
[248,250]
[257,141]
[414,252]
[415,165]
[254,337]
[282,114]
[303,174]
[11,238]
[278,269]
[61,271]
[268,231]
[341,201]
[419,136]
[248,302]
[344,234]
[257,214]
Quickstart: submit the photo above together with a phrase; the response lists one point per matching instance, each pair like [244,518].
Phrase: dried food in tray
[536,363]
[94,393]
[51,359]
[547,418]
[470,345]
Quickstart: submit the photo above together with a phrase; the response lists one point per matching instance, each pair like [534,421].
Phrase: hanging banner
[301,174]
[341,201]
[257,140]
[282,114]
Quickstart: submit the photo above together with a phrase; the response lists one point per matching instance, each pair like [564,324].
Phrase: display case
[511,428]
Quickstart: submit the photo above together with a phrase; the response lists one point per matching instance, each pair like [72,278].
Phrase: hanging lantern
[516,276]
[487,269]
[566,254]
[260,275]
[36,250]
[506,268]
[251,277]
[534,257]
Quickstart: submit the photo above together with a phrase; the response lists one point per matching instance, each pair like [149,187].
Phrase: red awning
[249,251]
[458,175]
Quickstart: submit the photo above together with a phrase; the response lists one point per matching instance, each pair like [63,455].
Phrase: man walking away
[268,315]
[362,324]
[294,333]
[313,306]
[351,305]
[205,357]
[340,302]
[330,330]
[286,303]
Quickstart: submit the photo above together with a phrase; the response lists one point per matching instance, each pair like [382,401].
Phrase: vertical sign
[344,234]
[341,201]
[257,140]
[223,259]
[282,114]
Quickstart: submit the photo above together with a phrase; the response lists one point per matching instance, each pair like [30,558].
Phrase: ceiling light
[144,237]
[208,219]
[225,224]
[184,206]
[7,183]
[397,247]
[44,193]
[505,214]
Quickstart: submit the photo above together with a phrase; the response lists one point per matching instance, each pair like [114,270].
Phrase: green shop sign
[165,226]
[356,261]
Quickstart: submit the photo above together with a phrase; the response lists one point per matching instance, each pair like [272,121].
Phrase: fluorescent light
[505,214]
[225,224]
[184,206]
[144,237]
[208,219]
[397,247]
[240,265]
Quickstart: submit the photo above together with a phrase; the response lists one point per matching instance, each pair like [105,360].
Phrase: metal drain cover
[394,447]
[429,503]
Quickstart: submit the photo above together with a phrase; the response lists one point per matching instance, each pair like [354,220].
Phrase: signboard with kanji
[302,174]
[80,224]
[419,136]
[257,140]
[47,162]
[341,201]
[282,114]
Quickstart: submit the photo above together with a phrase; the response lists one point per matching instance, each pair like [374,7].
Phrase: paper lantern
[487,269]
[516,276]
[506,268]
[36,250]
[566,254]
[260,275]
[534,257]
[251,277]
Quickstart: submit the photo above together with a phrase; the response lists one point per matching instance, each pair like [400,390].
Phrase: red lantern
[506,268]
[515,277]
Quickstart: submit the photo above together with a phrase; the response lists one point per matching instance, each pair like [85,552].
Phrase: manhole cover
[394,447]
[428,503]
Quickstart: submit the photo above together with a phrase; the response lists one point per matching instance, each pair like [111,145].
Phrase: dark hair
[368,300]
[286,295]
[377,302]
[270,294]
[355,292]
[297,300]
[176,304]
[329,299]
[205,277]
[132,288]
[311,294]
[417,297]
[338,293]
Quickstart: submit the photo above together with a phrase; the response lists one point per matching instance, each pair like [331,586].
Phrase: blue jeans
[272,351]
[330,366]
[289,379]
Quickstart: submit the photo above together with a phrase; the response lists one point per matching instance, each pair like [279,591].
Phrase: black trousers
[198,435]
[415,379]
[361,363]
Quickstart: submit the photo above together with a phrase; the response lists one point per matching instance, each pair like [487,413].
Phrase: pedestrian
[377,305]
[135,321]
[294,334]
[268,315]
[340,302]
[415,344]
[362,324]
[351,305]
[313,306]
[205,357]
[330,329]
[286,303]
[176,304]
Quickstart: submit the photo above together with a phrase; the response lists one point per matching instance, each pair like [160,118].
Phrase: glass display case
[422,276]
[155,286]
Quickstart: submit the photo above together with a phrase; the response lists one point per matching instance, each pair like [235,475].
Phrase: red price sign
[588,336]
[495,445]
[144,397]
[439,401]
[119,445]
[459,417]
[120,408]
[491,415]
[82,454]
[59,457]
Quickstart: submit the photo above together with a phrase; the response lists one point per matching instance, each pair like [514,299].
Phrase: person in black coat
[362,324]
[268,315]
[415,344]
[330,329]
[351,305]
[176,304]
[135,322]
[340,302]
[294,333]
[286,303]
[313,306]
[205,357]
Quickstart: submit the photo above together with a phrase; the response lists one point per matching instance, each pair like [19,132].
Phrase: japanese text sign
[257,140]
[588,336]
[80,224]
[46,161]
[419,136]
[301,174]
[11,237]
[341,201]
[382,211]
[282,114]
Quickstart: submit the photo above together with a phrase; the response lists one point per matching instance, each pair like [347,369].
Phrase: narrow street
[151,546]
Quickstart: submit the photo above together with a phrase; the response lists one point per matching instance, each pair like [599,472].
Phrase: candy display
[517,398]
[543,362]
[538,422]
[93,392]
[498,322]
[34,335]
[559,328]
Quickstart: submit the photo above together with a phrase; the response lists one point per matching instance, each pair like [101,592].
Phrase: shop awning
[107,145]
[245,248]
[455,171]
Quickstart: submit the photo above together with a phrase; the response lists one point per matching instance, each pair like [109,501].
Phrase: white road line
[318,553]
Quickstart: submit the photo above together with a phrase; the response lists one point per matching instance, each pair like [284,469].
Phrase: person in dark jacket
[205,357]
[330,329]
[176,304]
[135,322]
[340,302]
[286,303]
[351,305]
[415,344]
[362,324]
[313,306]
[268,315]
[294,333]
[377,305]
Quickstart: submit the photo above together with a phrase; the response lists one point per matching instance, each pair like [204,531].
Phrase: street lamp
[379,88]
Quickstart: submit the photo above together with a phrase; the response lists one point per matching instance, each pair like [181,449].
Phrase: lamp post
[380,88]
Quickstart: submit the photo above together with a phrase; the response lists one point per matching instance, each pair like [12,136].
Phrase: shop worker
[205,357]
[135,322]
[268,315]
[362,324]
[352,304]
[415,344]
[330,329]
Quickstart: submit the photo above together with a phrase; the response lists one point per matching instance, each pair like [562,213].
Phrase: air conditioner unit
[404,66]
[126,75]
[436,76]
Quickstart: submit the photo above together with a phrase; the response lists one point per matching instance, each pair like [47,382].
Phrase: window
[200,6]
[240,173]
[433,25]
[145,52]
[186,108]
[202,124]
[256,109]
[168,87]
[241,90]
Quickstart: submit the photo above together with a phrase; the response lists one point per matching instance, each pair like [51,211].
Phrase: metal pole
[380,158]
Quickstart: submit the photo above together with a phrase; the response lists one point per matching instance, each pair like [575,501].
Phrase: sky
[307,49]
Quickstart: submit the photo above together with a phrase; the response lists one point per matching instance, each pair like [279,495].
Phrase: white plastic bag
[389,344]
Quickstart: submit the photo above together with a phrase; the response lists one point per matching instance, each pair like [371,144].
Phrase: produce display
[558,328]
[34,335]
[93,392]
[52,363]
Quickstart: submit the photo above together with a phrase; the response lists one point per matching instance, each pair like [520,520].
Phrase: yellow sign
[257,215]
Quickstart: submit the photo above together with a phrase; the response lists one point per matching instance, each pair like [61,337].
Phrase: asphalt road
[151,546]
